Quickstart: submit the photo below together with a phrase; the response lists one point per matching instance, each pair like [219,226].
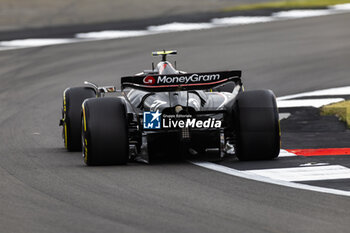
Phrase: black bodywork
[199,95]
[168,112]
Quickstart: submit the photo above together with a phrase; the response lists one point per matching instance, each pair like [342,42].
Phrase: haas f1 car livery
[168,112]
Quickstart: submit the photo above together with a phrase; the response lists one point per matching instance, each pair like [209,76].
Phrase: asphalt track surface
[45,189]
[30,14]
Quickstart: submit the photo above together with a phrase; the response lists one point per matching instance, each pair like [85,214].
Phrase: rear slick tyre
[71,114]
[105,132]
[257,126]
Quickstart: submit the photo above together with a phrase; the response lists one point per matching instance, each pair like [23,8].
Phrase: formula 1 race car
[168,112]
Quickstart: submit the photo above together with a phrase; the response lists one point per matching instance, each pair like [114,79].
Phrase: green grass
[341,110]
[288,4]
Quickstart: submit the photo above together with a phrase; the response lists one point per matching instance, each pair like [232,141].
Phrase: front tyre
[105,131]
[257,126]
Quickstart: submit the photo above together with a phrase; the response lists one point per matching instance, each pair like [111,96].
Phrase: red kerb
[320,152]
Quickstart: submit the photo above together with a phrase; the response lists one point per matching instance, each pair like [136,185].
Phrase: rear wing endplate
[181,82]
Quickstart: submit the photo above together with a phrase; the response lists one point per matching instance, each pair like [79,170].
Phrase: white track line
[26,43]
[316,103]
[178,27]
[284,153]
[344,7]
[174,27]
[241,20]
[241,174]
[284,115]
[294,14]
[112,34]
[331,172]
[290,102]
[338,91]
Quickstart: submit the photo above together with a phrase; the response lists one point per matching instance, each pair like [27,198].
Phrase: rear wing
[181,82]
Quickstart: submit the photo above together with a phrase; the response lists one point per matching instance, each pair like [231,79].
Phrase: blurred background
[23,14]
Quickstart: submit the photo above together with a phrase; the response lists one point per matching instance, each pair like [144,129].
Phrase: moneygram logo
[149,80]
[184,79]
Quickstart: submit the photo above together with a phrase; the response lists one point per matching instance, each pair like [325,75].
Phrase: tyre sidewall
[257,125]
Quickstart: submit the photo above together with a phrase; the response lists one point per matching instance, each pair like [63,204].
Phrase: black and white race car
[165,111]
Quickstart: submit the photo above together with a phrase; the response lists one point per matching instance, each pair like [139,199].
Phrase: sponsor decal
[184,79]
[191,123]
[155,120]
[151,120]
[149,80]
